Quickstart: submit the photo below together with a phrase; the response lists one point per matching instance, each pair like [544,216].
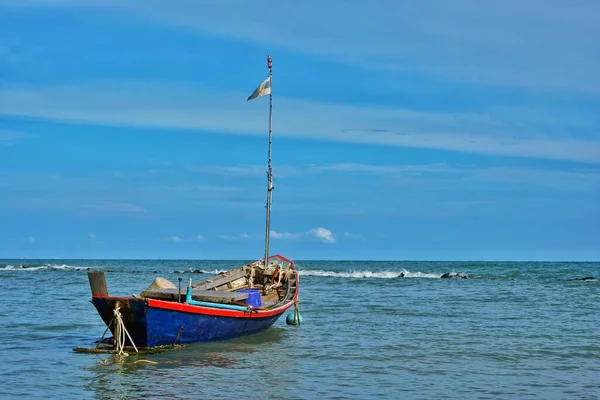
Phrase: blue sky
[439,130]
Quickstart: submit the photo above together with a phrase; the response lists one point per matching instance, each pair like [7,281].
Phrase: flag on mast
[262,89]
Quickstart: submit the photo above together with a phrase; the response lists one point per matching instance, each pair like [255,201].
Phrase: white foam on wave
[421,275]
[62,267]
[199,271]
[368,274]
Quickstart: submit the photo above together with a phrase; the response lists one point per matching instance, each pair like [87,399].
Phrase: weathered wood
[97,283]
[220,280]
[197,294]
[269,300]
[107,349]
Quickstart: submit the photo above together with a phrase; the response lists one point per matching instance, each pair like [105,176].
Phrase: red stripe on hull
[169,305]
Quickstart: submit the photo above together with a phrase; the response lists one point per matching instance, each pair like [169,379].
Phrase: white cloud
[92,236]
[200,238]
[175,239]
[31,239]
[323,234]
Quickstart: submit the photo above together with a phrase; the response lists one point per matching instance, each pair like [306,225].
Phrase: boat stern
[132,310]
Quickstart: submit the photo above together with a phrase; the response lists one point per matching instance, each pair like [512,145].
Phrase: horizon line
[305,260]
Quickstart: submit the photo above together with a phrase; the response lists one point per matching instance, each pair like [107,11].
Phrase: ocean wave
[38,267]
[199,271]
[369,274]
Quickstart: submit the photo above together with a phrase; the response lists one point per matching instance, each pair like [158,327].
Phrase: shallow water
[512,330]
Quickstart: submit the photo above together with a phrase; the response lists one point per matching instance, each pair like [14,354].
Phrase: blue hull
[150,326]
[163,326]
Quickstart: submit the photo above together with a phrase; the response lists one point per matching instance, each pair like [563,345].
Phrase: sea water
[370,330]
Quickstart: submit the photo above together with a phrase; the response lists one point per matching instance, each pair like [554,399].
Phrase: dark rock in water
[401,275]
[585,278]
[453,275]
[197,271]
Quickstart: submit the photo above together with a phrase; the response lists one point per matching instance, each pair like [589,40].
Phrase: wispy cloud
[174,239]
[247,170]
[116,207]
[170,105]
[200,238]
[575,178]
[531,44]
[10,138]
[352,235]
[93,238]
[31,239]
[202,188]
[285,235]
[322,234]
[234,237]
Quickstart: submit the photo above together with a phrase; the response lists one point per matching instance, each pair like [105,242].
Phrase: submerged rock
[453,275]
[585,278]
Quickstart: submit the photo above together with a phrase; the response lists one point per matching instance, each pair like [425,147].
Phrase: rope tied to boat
[296,312]
[120,332]
[277,275]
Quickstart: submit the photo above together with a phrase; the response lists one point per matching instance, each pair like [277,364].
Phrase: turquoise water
[512,330]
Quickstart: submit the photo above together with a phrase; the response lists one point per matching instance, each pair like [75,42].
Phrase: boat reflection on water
[166,373]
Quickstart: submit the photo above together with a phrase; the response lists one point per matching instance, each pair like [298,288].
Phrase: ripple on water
[513,330]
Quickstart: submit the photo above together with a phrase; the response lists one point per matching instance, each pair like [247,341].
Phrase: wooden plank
[97,283]
[107,348]
[220,280]
[197,294]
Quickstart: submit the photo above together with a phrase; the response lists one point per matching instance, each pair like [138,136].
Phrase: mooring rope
[120,332]
[296,312]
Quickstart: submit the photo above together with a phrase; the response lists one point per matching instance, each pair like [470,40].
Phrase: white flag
[262,89]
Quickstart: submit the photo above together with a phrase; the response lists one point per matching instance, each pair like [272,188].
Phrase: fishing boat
[244,300]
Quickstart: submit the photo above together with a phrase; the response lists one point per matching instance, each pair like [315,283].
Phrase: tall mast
[269,170]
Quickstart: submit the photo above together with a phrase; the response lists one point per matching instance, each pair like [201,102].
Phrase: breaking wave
[65,267]
[199,271]
[369,274]
[57,267]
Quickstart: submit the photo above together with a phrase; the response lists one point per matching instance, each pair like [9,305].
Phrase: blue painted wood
[164,325]
[133,312]
[149,326]
[188,300]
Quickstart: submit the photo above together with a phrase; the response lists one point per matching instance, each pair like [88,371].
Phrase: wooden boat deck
[212,296]
[223,288]
[197,294]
